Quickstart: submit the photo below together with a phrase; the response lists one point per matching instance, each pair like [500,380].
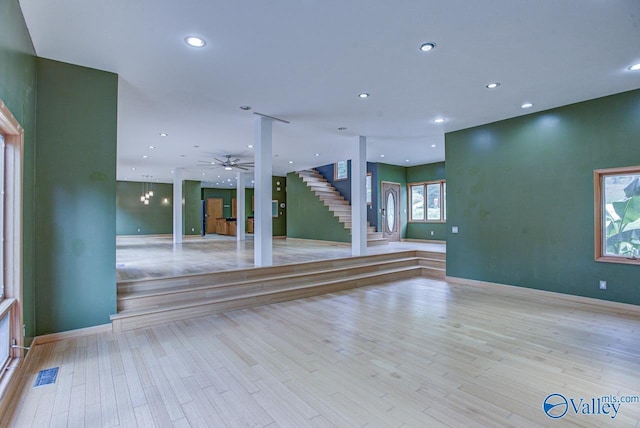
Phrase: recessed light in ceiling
[152,147]
[250,146]
[426,47]
[203,173]
[163,134]
[317,154]
[381,156]
[144,156]
[245,108]
[634,67]
[526,105]
[433,146]
[438,120]
[290,161]
[363,95]
[195,42]
[493,85]
[406,160]
[133,169]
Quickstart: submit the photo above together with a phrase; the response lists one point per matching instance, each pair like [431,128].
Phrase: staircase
[143,303]
[334,201]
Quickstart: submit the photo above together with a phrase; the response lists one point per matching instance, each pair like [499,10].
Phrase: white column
[263,222]
[359,199]
[240,208]
[177,206]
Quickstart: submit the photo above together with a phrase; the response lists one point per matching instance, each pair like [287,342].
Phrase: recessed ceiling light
[163,134]
[250,146]
[342,128]
[203,173]
[317,154]
[433,145]
[526,105]
[363,95]
[493,85]
[381,156]
[438,120]
[406,160]
[218,176]
[245,108]
[290,161]
[426,47]
[152,147]
[634,67]
[144,156]
[195,42]
[133,169]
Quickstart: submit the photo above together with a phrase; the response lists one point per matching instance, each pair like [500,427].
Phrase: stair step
[154,298]
[130,319]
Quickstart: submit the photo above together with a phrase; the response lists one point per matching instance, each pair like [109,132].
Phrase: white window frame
[11,305]
[443,205]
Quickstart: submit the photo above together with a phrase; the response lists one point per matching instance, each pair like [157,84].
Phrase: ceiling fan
[229,164]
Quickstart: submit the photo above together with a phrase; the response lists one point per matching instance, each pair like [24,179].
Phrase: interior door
[391,211]
[214,211]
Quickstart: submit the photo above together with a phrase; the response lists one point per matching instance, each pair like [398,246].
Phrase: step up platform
[143,303]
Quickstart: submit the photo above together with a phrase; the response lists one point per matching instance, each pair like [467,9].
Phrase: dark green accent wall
[225,194]
[280,222]
[18,92]
[417,174]
[394,174]
[192,208]
[308,217]
[75,193]
[135,218]
[521,193]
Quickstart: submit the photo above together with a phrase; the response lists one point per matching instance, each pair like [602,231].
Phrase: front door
[391,211]
[214,211]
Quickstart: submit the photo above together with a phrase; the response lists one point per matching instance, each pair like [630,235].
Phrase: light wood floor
[419,352]
[139,257]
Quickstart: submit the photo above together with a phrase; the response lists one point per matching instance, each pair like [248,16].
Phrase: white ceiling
[306,61]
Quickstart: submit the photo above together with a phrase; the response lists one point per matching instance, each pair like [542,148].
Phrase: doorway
[214,212]
[391,211]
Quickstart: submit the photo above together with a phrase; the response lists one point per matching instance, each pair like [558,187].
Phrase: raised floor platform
[160,297]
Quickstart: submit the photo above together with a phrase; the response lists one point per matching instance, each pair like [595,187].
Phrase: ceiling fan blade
[218,160]
[248,164]
[241,167]
[235,161]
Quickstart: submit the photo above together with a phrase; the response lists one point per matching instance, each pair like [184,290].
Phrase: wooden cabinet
[226,227]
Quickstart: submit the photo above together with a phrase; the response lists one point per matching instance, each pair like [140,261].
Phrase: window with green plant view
[428,201]
[618,191]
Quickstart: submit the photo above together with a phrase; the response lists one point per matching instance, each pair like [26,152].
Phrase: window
[428,201]
[12,139]
[617,215]
[340,170]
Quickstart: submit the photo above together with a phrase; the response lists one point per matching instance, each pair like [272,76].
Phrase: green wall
[135,218]
[521,193]
[75,193]
[394,174]
[417,174]
[225,194]
[18,92]
[192,208]
[308,217]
